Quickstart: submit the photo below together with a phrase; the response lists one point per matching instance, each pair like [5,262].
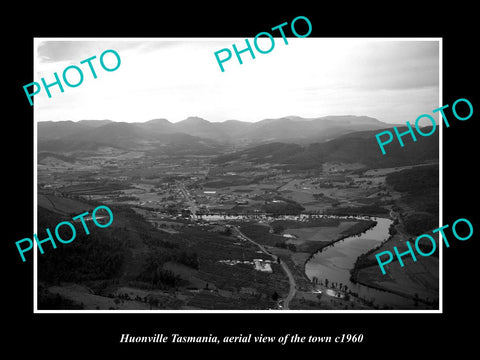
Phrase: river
[334,263]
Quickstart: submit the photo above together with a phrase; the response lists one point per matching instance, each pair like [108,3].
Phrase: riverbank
[418,281]
[352,238]
[331,268]
[417,299]
[365,260]
[356,230]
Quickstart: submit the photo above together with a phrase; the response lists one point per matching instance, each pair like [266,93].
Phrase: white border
[35,185]
[35,205]
[440,174]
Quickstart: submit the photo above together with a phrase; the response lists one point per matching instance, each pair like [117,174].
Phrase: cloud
[396,66]
[175,78]
[59,50]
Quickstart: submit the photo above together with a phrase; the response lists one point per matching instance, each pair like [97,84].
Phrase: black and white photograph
[238,189]
[228,180]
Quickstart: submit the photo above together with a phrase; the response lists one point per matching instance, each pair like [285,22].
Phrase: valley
[207,223]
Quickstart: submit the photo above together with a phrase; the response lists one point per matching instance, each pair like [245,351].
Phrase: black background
[60,335]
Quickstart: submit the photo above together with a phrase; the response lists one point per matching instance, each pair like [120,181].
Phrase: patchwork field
[317,233]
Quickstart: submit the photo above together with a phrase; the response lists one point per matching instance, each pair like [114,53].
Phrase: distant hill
[290,128]
[358,147]
[126,136]
[292,141]
[60,129]
[90,134]
[318,129]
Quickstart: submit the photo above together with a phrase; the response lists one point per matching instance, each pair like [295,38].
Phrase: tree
[277,228]
[326,283]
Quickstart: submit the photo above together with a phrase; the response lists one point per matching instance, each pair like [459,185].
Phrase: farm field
[317,233]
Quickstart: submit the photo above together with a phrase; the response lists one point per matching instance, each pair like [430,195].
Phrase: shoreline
[355,281]
[331,243]
[407,296]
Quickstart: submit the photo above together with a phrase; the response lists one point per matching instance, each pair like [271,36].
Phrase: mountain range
[292,141]
[89,134]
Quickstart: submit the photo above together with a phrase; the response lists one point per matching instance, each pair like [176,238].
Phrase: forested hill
[357,147]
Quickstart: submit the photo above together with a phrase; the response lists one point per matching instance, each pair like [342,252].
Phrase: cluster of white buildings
[259,264]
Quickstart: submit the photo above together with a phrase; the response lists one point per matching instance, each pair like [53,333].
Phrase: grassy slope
[137,240]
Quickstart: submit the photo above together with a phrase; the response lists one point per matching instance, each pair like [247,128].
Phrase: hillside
[358,147]
[67,135]
[125,136]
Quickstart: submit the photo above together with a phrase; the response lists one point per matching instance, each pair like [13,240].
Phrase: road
[191,203]
[291,279]
[293,285]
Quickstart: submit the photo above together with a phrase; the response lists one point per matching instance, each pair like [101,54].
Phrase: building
[263,265]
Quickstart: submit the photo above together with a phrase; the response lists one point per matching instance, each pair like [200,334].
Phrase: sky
[392,80]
